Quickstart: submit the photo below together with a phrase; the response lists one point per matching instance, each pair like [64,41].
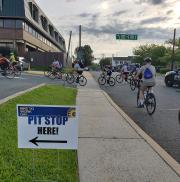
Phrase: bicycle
[10,72]
[133,84]
[104,78]
[149,99]
[16,70]
[55,74]
[75,77]
[120,78]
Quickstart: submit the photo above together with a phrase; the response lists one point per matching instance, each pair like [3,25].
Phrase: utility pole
[173,52]
[69,47]
[79,36]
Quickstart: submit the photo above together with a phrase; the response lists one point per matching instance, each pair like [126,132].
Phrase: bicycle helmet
[148,60]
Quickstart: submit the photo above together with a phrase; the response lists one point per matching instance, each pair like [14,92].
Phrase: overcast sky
[152,20]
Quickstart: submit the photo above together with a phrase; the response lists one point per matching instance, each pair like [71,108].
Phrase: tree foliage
[105,61]
[170,42]
[160,54]
[87,54]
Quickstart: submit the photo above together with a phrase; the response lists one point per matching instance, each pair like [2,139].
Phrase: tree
[105,61]
[86,54]
[177,42]
[154,51]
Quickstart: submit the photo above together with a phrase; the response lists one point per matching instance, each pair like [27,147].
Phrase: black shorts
[80,72]
[126,73]
[14,63]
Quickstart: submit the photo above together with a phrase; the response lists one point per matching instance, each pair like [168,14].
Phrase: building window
[1,6]
[9,23]
[30,30]
[35,13]
[44,23]
[19,23]
[56,35]
[31,8]
[51,30]
[1,23]
[26,27]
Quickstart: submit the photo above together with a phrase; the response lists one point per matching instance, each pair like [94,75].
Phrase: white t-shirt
[125,69]
[56,64]
[77,66]
[152,69]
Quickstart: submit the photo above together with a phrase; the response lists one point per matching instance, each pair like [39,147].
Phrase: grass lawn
[16,165]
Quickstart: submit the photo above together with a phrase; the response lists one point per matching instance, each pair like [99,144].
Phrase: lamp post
[173,52]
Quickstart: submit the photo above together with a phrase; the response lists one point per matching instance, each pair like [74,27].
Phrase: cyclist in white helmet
[148,73]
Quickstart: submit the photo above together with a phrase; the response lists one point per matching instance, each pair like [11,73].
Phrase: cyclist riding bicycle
[12,59]
[56,66]
[148,73]
[125,71]
[78,68]
[135,69]
[4,64]
[108,71]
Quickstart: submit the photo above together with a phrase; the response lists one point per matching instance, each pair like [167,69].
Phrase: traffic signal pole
[173,52]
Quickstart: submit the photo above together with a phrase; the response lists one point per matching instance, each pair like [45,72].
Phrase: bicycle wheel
[64,76]
[17,72]
[82,80]
[129,78]
[133,84]
[10,74]
[150,103]
[52,75]
[101,80]
[112,81]
[59,75]
[70,78]
[119,78]
[47,73]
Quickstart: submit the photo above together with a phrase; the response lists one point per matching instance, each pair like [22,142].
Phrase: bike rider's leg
[77,80]
[108,76]
[141,96]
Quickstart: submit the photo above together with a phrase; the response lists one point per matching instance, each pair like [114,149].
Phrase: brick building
[25,28]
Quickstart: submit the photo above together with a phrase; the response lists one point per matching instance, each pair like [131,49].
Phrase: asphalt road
[25,81]
[163,126]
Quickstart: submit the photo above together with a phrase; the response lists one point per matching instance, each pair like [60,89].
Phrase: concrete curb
[155,146]
[20,93]
[34,73]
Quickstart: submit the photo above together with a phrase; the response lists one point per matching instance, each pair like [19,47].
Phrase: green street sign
[126,37]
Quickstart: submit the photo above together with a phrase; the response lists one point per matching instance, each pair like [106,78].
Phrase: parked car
[86,69]
[22,65]
[172,78]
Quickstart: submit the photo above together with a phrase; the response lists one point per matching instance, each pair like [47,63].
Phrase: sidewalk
[110,150]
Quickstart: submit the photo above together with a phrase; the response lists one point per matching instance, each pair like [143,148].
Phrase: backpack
[81,64]
[148,73]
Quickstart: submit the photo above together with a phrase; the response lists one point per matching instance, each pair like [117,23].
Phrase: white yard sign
[47,127]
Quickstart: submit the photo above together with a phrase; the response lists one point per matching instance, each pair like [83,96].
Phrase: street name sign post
[126,37]
[47,127]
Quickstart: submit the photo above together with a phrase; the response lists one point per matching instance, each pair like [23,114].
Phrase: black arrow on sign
[35,141]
